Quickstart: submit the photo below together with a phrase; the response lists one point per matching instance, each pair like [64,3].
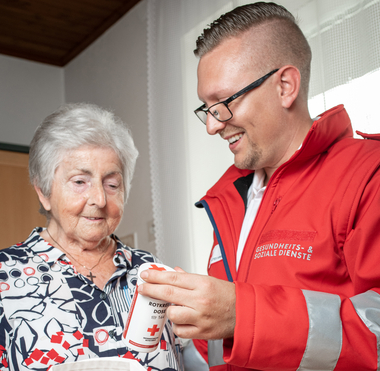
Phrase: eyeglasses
[220,110]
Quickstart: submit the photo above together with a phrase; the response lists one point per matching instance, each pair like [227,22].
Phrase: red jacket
[308,284]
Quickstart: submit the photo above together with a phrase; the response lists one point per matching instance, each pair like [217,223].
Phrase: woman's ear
[45,201]
[290,84]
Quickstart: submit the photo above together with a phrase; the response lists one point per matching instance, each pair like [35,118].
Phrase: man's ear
[45,201]
[290,85]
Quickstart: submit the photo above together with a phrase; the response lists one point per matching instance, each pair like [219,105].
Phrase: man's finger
[168,293]
[178,279]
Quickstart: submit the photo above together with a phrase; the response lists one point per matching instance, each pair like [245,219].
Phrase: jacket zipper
[275,203]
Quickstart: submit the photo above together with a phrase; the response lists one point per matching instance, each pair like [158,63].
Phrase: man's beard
[251,158]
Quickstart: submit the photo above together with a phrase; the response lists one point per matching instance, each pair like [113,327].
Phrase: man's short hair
[285,42]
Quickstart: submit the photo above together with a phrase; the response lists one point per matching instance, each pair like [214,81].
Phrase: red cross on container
[153,330]
[154,267]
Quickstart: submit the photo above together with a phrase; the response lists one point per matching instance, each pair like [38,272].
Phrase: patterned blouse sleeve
[4,328]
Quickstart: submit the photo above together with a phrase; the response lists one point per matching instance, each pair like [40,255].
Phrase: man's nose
[213,125]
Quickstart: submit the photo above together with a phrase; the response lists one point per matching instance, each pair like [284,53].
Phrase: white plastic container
[146,317]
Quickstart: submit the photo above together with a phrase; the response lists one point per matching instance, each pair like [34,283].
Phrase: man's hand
[204,306]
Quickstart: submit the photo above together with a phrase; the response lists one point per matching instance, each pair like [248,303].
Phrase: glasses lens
[202,115]
[220,111]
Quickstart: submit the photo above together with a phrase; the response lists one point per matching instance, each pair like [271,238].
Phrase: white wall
[112,72]
[28,92]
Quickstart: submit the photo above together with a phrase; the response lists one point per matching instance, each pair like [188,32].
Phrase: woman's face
[87,198]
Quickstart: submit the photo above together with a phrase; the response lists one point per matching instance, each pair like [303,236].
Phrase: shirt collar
[123,254]
[258,179]
[257,184]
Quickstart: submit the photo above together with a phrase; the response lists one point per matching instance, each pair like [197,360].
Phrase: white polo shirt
[254,197]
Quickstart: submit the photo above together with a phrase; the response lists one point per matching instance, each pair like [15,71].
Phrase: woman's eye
[79,182]
[113,186]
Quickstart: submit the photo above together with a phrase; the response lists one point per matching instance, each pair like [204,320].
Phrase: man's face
[255,134]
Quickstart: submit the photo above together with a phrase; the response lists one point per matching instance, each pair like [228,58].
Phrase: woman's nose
[97,195]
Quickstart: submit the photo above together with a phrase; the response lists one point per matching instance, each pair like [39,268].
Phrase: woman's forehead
[90,159]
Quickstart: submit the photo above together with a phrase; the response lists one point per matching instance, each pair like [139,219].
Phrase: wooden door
[18,201]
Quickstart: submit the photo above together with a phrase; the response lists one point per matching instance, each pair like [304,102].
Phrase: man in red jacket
[294,278]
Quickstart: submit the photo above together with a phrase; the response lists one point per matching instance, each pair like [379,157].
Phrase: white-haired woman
[65,292]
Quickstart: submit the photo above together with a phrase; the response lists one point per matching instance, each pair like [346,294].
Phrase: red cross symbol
[153,330]
[154,267]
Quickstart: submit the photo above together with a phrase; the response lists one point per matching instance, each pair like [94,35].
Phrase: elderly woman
[65,292]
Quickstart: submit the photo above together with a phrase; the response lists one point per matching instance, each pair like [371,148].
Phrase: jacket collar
[332,126]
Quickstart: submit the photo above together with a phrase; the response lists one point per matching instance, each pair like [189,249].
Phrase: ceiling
[55,31]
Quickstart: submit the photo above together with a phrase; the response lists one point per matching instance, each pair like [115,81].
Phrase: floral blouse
[51,314]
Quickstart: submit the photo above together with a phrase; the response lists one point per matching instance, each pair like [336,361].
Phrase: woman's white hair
[73,126]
